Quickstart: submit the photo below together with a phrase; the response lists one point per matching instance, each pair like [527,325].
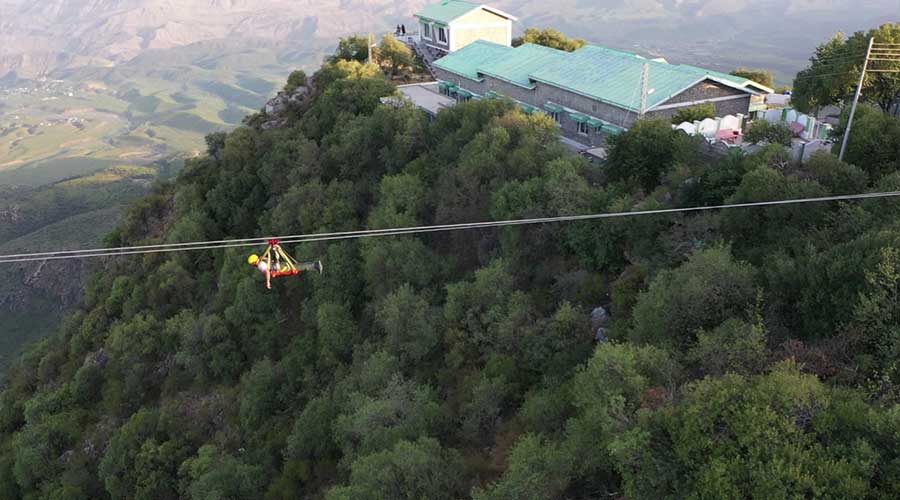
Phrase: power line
[807,77]
[347,235]
[829,59]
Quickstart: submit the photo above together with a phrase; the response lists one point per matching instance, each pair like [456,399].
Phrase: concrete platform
[427,97]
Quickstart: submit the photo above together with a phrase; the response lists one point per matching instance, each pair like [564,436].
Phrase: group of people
[401,29]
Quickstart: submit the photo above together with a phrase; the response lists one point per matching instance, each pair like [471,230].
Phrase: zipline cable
[311,238]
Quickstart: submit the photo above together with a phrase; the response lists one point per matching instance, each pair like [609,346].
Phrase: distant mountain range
[40,38]
[49,36]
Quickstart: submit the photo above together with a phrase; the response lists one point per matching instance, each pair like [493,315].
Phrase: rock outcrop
[275,113]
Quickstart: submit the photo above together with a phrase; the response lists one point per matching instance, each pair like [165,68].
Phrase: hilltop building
[451,25]
[591,92]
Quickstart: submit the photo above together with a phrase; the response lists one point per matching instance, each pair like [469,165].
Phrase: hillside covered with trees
[750,353]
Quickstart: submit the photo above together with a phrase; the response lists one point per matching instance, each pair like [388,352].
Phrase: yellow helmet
[253,259]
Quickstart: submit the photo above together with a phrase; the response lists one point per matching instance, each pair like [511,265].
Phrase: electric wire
[829,59]
[346,235]
[807,77]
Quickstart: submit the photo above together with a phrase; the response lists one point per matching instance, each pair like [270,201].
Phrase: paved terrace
[426,96]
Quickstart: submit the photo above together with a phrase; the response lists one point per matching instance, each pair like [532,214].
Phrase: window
[583,128]
[442,35]
[555,116]
[426,31]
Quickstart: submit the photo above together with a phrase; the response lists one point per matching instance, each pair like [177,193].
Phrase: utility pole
[369,46]
[645,87]
[862,77]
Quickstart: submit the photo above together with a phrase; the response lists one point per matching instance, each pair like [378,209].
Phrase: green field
[154,107]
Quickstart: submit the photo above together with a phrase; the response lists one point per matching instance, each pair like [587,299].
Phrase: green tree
[878,311]
[352,48]
[377,420]
[838,177]
[38,446]
[708,289]
[484,403]
[213,474]
[409,324]
[607,393]
[830,77]
[295,80]
[311,438]
[550,37]
[648,151]
[119,468]
[761,131]
[395,54]
[756,233]
[418,470]
[697,112]
[874,143]
[538,469]
[735,436]
[761,76]
[735,346]
[336,333]
[259,395]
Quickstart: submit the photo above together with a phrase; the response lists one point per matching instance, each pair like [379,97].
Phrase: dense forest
[746,354]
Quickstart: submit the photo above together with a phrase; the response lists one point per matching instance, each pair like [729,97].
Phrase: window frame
[426,31]
[442,34]
[584,128]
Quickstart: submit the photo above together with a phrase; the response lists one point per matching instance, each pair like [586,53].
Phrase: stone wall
[702,91]
[735,101]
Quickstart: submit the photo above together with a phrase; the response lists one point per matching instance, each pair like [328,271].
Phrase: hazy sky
[778,34]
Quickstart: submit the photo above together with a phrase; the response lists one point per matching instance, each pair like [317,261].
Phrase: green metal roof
[447,11]
[466,61]
[595,122]
[615,77]
[609,75]
[517,65]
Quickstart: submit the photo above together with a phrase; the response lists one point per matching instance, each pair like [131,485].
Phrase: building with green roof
[451,25]
[594,91]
